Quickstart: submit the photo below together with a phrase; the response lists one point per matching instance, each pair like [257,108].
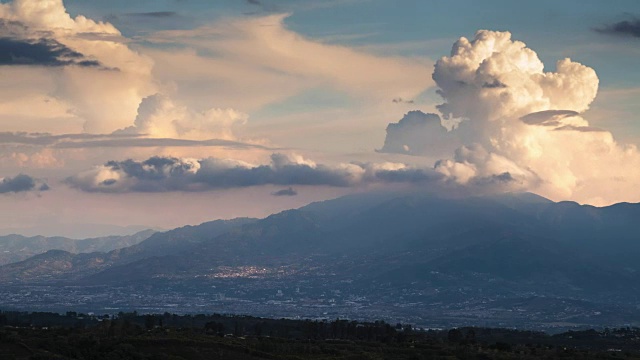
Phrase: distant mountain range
[14,248]
[513,246]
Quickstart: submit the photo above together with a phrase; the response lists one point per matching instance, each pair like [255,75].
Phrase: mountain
[477,255]
[14,248]
[63,264]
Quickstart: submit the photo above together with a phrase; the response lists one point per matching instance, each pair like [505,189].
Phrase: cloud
[285,192]
[622,28]
[548,117]
[21,183]
[119,139]
[164,174]
[519,127]
[255,55]
[400,100]
[36,32]
[159,117]
[418,133]
[154,14]
[40,51]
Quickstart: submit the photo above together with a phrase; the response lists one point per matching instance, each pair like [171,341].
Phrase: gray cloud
[264,7]
[154,14]
[78,141]
[17,49]
[285,192]
[42,52]
[400,100]
[548,117]
[20,183]
[622,28]
[585,129]
[418,133]
[163,174]
[495,84]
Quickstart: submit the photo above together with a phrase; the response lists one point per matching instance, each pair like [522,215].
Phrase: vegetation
[169,336]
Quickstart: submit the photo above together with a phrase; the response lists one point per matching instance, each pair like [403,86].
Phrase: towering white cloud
[90,77]
[525,124]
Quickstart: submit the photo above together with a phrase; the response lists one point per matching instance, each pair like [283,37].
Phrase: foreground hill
[170,336]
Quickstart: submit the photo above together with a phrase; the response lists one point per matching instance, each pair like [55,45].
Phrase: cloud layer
[258,61]
[162,174]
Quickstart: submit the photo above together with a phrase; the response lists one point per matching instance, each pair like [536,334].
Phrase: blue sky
[143,104]
[554,28]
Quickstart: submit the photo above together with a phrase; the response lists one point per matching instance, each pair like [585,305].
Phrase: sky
[121,115]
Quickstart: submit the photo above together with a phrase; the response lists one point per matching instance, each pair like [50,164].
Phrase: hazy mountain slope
[68,266]
[522,242]
[514,243]
[14,248]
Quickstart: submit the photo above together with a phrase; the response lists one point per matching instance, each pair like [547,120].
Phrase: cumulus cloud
[98,81]
[78,76]
[627,28]
[159,117]
[521,127]
[162,174]
[21,183]
[418,133]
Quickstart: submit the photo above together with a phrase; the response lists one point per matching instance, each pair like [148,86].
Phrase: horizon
[115,115]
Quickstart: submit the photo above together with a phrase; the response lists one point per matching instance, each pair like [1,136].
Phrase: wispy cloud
[79,141]
[628,28]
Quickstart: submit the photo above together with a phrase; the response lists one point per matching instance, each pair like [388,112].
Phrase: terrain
[170,336]
[503,260]
[14,248]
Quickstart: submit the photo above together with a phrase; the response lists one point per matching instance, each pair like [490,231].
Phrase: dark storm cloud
[20,183]
[285,192]
[626,28]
